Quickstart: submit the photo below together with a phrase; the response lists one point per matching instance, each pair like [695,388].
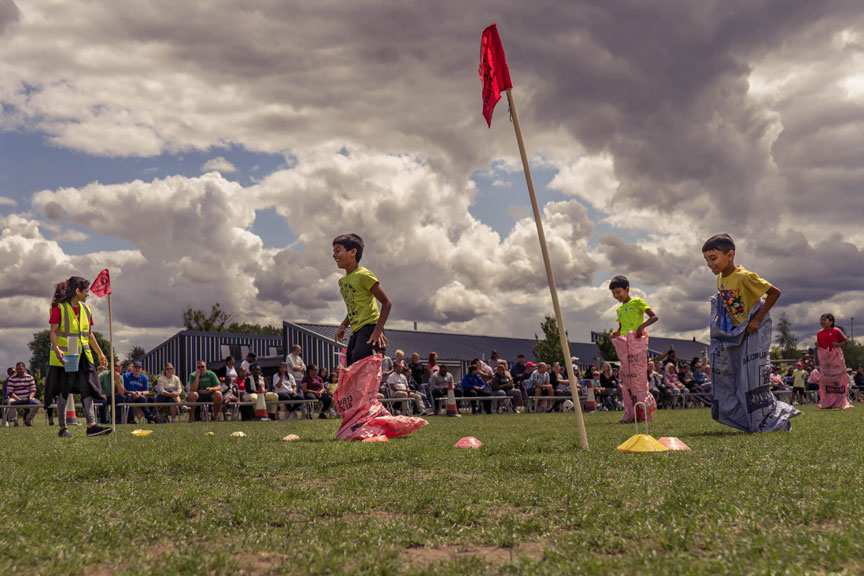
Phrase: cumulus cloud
[663,122]
[218,164]
[4,201]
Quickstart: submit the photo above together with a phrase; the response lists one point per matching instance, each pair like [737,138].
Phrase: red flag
[102,285]
[493,71]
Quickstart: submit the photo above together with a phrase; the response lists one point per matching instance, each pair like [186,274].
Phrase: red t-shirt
[55,315]
[827,338]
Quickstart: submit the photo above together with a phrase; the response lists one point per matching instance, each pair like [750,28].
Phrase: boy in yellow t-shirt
[739,288]
[359,288]
[631,311]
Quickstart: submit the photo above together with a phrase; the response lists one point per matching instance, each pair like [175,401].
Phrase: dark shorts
[357,346]
[205,397]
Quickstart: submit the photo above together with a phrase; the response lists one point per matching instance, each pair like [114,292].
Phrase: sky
[209,152]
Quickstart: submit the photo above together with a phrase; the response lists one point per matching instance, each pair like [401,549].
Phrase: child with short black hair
[740,341]
[632,350]
[360,288]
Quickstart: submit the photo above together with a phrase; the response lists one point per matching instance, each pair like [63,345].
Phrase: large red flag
[493,71]
[102,285]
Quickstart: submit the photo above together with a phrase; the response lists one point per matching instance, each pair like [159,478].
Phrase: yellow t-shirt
[359,301]
[799,378]
[630,314]
[740,291]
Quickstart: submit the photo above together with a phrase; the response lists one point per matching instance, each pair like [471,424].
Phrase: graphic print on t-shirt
[732,300]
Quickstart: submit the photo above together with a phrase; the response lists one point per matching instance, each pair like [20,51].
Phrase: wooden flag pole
[562,332]
[111,365]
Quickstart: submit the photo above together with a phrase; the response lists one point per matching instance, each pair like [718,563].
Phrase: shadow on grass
[717,433]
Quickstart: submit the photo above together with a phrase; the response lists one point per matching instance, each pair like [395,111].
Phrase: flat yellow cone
[141,432]
[639,443]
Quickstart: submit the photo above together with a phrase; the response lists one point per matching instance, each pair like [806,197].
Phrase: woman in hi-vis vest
[71,368]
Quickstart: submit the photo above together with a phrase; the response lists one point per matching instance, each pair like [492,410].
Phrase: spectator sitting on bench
[502,385]
[440,382]
[611,388]
[397,383]
[255,385]
[858,379]
[313,389]
[21,391]
[560,384]
[169,388]
[540,385]
[119,391]
[671,385]
[655,382]
[204,386]
[137,389]
[473,386]
[286,389]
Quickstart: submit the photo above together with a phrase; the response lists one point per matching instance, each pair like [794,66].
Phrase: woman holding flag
[72,343]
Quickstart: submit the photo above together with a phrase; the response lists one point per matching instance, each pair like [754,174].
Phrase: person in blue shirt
[473,386]
[137,386]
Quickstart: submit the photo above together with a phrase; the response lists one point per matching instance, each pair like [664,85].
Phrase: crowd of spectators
[499,384]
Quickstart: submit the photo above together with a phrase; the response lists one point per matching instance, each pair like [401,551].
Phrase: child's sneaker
[64,433]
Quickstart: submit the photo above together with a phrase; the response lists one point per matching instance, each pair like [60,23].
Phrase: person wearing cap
[799,380]
[137,389]
[523,378]
[247,363]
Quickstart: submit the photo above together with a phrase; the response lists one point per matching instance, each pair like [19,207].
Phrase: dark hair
[252,354]
[350,242]
[21,363]
[228,358]
[10,371]
[829,317]
[310,368]
[721,242]
[254,365]
[64,291]
[619,282]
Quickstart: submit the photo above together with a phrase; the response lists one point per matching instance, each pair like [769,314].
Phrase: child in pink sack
[833,382]
[631,344]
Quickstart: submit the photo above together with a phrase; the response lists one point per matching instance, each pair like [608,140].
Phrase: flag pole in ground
[496,77]
[100,287]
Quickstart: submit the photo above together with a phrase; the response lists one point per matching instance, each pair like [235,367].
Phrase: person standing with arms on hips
[71,324]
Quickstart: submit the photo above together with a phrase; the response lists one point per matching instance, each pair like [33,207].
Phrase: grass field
[528,502]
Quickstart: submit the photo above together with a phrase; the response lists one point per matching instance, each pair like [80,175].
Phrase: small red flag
[493,71]
[102,285]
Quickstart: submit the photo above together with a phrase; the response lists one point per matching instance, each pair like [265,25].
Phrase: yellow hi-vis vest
[70,328]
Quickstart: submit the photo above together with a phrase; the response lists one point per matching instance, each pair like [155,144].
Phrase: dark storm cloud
[9,15]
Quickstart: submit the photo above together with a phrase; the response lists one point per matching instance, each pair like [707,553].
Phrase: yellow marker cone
[141,432]
[639,443]
[71,415]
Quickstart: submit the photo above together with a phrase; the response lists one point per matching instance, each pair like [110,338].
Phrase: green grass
[528,502]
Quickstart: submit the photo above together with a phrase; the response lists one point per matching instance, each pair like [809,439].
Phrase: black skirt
[85,381]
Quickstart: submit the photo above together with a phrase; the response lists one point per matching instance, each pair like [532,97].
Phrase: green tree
[247,328]
[607,349]
[199,320]
[548,350]
[854,354]
[787,342]
[136,353]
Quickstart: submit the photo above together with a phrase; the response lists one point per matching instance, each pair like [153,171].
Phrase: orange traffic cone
[591,401]
[261,408]
[71,416]
[452,409]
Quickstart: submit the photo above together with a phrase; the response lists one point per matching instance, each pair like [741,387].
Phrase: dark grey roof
[684,349]
[459,346]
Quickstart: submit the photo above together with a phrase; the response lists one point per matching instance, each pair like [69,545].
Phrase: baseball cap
[530,364]
[137,364]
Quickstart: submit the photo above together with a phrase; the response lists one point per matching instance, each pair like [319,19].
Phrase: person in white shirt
[398,386]
[295,363]
[286,388]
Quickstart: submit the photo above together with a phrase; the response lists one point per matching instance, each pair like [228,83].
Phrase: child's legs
[358,348]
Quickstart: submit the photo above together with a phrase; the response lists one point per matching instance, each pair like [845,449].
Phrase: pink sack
[633,355]
[468,442]
[834,384]
[356,399]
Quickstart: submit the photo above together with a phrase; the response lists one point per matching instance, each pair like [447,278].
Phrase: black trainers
[27,423]
[64,433]
[98,430]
